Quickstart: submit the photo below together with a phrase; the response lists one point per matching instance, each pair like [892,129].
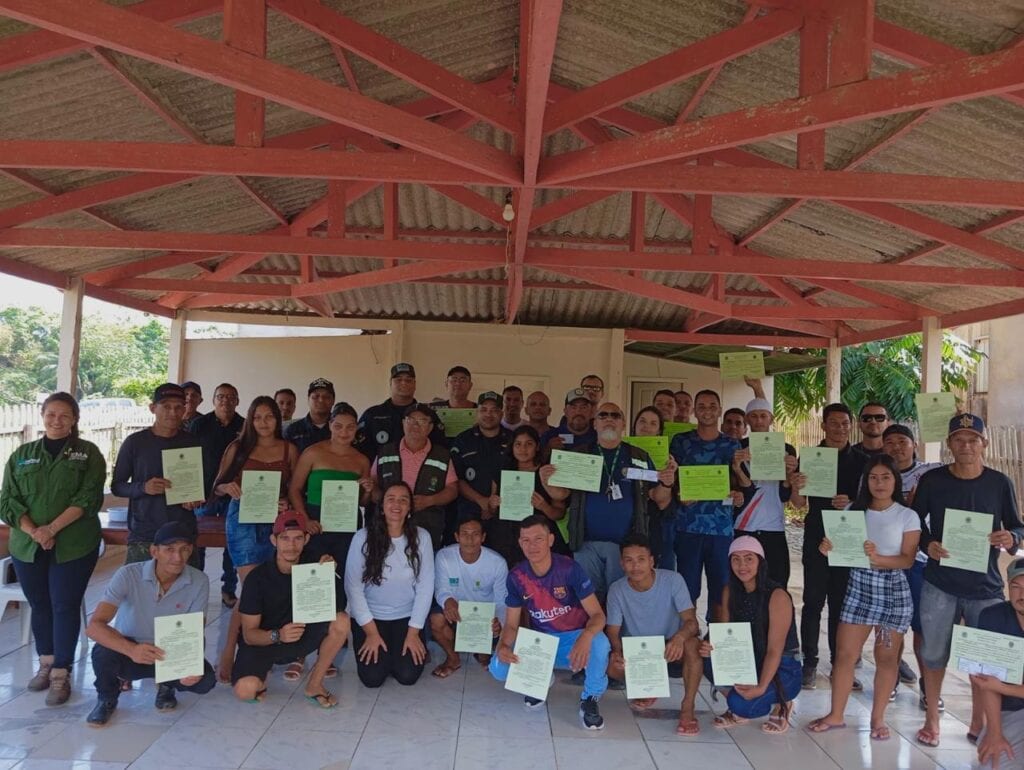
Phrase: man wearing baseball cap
[457,384]
[576,426]
[139,474]
[763,516]
[479,454]
[949,594]
[315,426]
[123,625]
[193,398]
[383,424]
[1002,703]
[269,635]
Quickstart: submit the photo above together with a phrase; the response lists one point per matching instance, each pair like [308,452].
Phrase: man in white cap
[763,516]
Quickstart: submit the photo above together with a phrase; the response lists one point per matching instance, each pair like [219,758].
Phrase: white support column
[176,347]
[833,373]
[616,366]
[931,375]
[70,337]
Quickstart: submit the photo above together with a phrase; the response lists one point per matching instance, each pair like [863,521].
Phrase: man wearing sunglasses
[599,521]
[874,419]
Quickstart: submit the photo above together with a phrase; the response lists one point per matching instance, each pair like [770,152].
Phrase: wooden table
[211,531]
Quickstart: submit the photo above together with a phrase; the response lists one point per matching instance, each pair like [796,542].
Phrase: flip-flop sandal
[444,671]
[775,726]
[324,700]
[972,738]
[483,660]
[881,733]
[688,727]
[260,695]
[821,726]
[294,671]
[642,704]
[331,672]
[927,738]
[126,685]
[727,721]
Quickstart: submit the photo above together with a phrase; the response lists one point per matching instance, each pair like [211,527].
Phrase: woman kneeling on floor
[751,597]
[877,597]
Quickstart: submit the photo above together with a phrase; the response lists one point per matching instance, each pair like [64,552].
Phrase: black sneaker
[166,700]
[616,684]
[590,715]
[532,703]
[579,677]
[922,702]
[101,712]
[907,675]
[809,678]
[858,686]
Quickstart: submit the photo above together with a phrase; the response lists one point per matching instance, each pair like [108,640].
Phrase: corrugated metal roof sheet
[76,98]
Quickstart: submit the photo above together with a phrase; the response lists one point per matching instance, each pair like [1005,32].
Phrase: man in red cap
[268,634]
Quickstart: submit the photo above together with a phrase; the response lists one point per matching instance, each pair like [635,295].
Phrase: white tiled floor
[466,721]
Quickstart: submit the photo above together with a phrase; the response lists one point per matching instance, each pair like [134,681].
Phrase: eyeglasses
[875,417]
[609,415]
[421,422]
[225,397]
[592,388]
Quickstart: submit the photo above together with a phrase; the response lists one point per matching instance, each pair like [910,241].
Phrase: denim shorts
[939,613]
[247,543]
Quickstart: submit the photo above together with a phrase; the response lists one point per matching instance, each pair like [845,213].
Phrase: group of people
[589,567]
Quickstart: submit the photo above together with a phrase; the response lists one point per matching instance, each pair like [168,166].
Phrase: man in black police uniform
[382,424]
[479,455]
[315,426]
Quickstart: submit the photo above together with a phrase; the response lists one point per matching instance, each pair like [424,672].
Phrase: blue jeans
[602,563]
[596,681]
[247,544]
[709,554]
[789,677]
[54,592]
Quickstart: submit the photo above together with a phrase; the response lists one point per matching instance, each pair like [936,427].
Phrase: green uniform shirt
[44,487]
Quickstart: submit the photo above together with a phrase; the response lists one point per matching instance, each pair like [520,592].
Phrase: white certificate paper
[532,674]
[646,667]
[184,469]
[313,593]
[975,651]
[181,639]
[732,656]
[475,632]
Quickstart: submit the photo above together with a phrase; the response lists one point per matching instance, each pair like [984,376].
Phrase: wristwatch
[275,636]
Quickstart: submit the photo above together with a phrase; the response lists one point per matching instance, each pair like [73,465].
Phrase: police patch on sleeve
[470,474]
[382,437]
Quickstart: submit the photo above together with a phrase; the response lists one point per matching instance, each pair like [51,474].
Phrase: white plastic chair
[11,591]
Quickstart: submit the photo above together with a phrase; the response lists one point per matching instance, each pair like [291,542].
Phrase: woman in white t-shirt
[878,597]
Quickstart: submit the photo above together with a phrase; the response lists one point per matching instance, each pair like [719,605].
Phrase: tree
[886,371]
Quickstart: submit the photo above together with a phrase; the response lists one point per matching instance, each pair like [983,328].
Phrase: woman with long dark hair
[524,454]
[651,422]
[259,447]
[877,597]
[389,580]
[52,492]
[751,597]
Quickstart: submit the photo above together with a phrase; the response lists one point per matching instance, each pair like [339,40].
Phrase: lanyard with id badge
[613,490]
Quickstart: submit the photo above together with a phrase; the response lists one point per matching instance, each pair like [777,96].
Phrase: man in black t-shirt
[1002,703]
[268,634]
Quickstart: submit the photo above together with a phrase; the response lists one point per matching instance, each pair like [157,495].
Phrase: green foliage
[115,358]
[886,371]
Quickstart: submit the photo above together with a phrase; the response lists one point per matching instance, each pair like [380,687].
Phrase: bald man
[599,521]
[538,410]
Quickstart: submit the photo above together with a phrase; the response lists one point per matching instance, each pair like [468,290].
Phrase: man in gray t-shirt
[655,602]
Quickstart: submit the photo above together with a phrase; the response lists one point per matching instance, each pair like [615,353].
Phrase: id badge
[616,491]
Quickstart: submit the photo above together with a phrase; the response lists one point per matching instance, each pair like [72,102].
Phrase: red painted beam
[100,24]
[752,181]
[399,61]
[993,224]
[540,19]
[143,266]
[557,209]
[203,286]
[644,335]
[409,271]
[670,68]
[814,58]
[956,81]
[245,29]
[400,166]
[646,289]
[41,45]
[915,48]
[852,28]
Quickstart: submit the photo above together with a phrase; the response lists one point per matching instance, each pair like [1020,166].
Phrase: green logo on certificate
[178,624]
[476,609]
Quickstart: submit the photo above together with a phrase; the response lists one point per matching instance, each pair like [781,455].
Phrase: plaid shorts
[878,597]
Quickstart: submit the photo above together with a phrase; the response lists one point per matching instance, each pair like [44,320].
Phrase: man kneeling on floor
[465,572]
[655,602]
[268,634]
[560,600]
[137,595]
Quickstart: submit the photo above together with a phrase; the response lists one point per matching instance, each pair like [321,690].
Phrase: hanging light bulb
[508,213]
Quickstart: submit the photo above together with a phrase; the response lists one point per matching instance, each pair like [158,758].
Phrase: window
[981,373]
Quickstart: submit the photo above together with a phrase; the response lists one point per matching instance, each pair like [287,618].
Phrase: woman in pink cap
[751,597]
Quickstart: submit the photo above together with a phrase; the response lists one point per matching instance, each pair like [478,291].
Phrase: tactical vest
[429,481]
[641,510]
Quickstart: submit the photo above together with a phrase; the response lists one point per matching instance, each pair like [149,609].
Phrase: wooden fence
[104,427]
[1005,448]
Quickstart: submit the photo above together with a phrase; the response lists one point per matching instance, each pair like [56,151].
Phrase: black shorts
[257,661]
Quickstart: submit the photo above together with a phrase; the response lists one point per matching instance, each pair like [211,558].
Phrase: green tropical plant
[886,371]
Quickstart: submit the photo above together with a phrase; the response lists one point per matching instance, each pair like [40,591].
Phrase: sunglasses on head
[609,415]
[875,417]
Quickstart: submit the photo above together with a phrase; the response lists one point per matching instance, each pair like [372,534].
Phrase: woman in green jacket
[52,491]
